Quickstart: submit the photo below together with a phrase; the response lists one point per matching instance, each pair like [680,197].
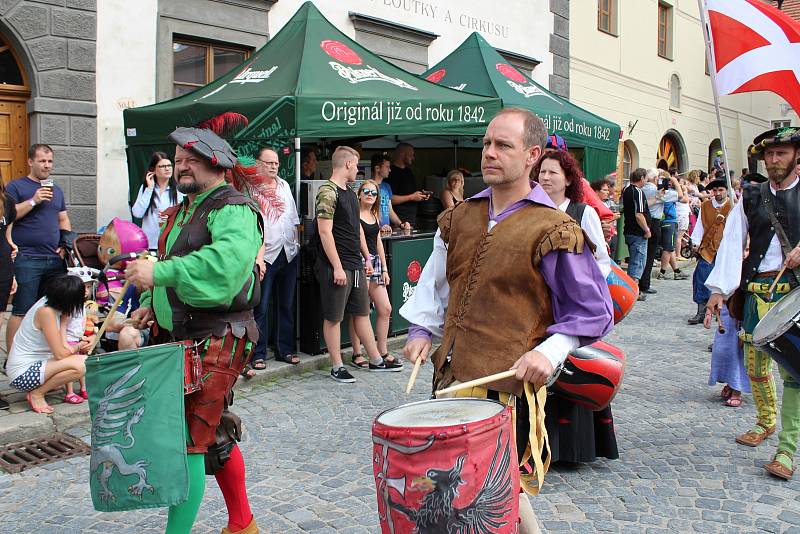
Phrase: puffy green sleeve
[214,274]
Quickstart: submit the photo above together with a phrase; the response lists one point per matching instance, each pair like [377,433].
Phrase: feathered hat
[777,136]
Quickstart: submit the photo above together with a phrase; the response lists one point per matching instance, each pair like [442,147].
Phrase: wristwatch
[32,203]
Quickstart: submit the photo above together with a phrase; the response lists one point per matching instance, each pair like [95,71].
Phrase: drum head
[778,320]
[440,412]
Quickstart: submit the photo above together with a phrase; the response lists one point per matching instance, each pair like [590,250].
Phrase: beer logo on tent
[510,72]
[413,271]
[437,76]
[516,80]
[342,53]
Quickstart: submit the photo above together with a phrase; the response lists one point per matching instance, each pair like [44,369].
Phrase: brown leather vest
[197,323]
[713,226]
[499,305]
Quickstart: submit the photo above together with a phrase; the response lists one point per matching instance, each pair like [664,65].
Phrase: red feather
[253,180]
[225,124]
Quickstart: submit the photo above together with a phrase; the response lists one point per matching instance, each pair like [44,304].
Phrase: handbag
[736,304]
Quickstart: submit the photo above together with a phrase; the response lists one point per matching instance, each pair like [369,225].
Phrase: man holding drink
[41,220]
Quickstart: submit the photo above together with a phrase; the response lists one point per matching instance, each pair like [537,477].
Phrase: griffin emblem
[438,515]
[116,416]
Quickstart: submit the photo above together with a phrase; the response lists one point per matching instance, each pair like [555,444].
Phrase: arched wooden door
[14,94]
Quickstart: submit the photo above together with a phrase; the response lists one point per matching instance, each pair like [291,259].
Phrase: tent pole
[302,238]
[297,169]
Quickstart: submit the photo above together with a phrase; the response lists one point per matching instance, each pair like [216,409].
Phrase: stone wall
[559,47]
[56,42]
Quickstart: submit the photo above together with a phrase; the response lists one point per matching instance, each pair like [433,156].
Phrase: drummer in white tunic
[510,284]
[770,217]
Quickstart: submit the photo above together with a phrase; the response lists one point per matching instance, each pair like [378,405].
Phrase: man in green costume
[202,289]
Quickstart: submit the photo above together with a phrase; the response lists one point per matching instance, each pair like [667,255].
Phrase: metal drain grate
[15,457]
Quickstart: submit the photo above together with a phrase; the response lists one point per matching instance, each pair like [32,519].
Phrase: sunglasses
[369,192]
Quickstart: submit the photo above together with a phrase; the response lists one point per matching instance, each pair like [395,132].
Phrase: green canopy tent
[309,82]
[477,67]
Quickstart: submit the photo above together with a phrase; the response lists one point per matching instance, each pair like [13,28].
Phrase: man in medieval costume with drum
[770,218]
[204,289]
[511,283]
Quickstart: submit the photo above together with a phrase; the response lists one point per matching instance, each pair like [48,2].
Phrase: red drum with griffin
[447,465]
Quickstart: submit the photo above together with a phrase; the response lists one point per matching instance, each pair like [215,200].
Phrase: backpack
[314,249]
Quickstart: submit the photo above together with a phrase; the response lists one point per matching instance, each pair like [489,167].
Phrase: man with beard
[204,289]
[510,284]
[780,149]
[707,233]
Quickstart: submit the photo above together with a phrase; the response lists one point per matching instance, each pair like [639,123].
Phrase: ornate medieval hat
[206,143]
[556,142]
[777,136]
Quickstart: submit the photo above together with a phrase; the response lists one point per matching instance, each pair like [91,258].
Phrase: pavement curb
[25,425]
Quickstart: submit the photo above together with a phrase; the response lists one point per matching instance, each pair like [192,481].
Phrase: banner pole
[712,68]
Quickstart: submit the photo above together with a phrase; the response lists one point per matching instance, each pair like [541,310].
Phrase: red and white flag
[756,48]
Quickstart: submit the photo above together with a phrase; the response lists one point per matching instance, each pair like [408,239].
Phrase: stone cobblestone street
[307,447]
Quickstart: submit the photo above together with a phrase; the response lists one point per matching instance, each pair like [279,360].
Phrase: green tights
[181,516]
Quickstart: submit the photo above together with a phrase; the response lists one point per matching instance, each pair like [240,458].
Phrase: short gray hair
[534,132]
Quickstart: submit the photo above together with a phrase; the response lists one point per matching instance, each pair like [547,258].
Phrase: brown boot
[778,469]
[752,438]
[252,528]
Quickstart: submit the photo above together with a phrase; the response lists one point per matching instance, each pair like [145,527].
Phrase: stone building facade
[54,43]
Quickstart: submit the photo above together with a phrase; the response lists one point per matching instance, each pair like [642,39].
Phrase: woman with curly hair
[560,176]
[576,434]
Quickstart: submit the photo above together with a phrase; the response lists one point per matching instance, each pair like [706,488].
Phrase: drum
[590,376]
[778,333]
[624,291]
[192,368]
[446,465]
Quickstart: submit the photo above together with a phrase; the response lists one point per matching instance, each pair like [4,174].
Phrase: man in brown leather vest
[707,235]
[510,283]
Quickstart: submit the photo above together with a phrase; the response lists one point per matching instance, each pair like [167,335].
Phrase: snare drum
[590,376]
[444,462]
[624,291]
[778,333]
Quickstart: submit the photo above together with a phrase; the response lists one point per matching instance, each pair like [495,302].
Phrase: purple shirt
[579,294]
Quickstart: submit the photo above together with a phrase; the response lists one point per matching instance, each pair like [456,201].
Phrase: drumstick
[414,374]
[477,382]
[108,318]
[775,282]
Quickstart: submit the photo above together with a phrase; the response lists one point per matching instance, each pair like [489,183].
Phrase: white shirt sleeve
[556,348]
[727,272]
[698,231]
[142,201]
[590,223]
[428,305]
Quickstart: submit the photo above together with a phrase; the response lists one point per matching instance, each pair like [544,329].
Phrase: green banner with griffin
[138,428]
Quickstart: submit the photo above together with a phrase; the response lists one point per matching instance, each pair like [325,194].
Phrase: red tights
[231,481]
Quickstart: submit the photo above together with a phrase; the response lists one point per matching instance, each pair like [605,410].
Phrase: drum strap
[537,443]
[786,246]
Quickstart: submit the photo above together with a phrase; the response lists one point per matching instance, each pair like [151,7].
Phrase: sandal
[73,399]
[392,360]
[259,365]
[733,402]
[84,394]
[291,359]
[726,392]
[363,364]
[248,372]
[46,409]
